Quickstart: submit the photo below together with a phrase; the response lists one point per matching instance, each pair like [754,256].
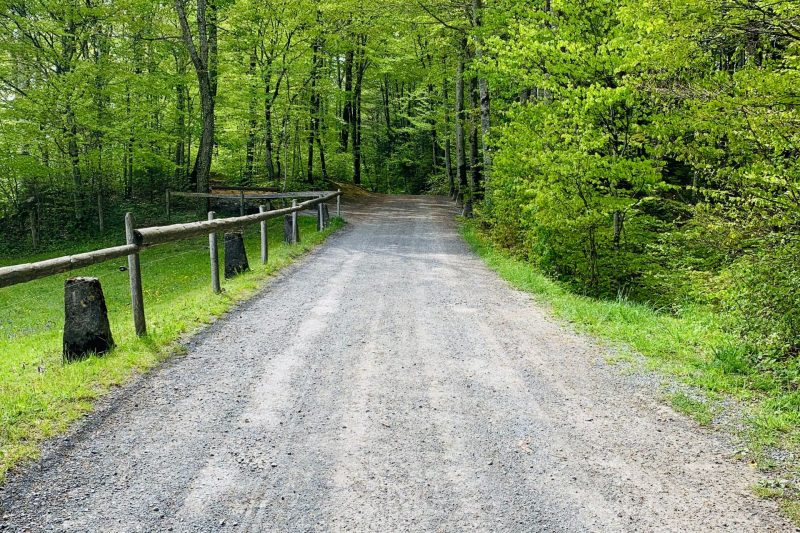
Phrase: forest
[633,150]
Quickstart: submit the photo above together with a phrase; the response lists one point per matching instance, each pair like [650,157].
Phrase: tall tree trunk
[347,112]
[314,107]
[387,112]
[69,48]
[187,158]
[483,84]
[269,99]
[461,162]
[448,163]
[204,58]
[434,132]
[322,166]
[250,149]
[360,63]
[476,189]
[180,123]
[310,161]
[313,112]
[357,138]
[127,157]
[74,161]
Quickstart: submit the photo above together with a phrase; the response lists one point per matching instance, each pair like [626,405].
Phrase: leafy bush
[340,166]
[762,295]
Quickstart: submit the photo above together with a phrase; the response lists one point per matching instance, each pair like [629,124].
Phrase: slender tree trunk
[269,99]
[347,112]
[357,142]
[448,163]
[387,112]
[310,161]
[187,158]
[204,58]
[322,165]
[361,65]
[483,84]
[475,162]
[434,132]
[461,162]
[74,161]
[250,150]
[180,128]
[69,48]
[314,107]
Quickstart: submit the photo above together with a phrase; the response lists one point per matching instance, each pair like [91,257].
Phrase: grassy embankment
[39,396]
[693,349]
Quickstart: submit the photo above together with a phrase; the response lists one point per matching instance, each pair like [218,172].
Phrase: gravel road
[388,382]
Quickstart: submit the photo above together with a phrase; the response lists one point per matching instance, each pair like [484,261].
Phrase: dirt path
[390,382]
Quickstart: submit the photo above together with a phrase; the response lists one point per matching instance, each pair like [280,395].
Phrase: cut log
[288,228]
[86,327]
[235,255]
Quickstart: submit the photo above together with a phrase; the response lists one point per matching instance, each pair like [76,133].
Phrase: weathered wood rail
[139,239]
[242,197]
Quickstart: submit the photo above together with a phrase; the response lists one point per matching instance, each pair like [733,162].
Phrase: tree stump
[235,255]
[86,327]
[287,230]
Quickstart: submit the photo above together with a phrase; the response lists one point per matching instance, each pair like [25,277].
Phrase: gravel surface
[388,382]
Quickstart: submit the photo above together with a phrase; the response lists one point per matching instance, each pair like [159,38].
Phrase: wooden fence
[139,239]
[241,196]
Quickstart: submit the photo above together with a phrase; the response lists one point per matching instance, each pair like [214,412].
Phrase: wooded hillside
[635,149]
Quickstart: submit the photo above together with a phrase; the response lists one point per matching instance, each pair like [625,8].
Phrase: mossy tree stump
[288,228]
[235,255]
[86,327]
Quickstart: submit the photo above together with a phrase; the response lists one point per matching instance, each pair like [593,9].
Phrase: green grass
[692,348]
[40,396]
[697,409]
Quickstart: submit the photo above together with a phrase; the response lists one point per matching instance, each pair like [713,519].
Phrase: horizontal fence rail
[163,234]
[237,197]
[13,275]
[146,237]
[243,196]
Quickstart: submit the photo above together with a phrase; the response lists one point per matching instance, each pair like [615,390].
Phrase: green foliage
[656,156]
[763,297]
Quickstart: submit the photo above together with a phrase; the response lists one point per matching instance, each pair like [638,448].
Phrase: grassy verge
[691,349]
[39,396]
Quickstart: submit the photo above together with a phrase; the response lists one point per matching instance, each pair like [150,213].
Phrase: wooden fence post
[320,221]
[295,231]
[169,206]
[264,238]
[241,203]
[339,204]
[214,256]
[135,273]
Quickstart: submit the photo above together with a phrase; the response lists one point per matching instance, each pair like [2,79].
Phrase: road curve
[388,382]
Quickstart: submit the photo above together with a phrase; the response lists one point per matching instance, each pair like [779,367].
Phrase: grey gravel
[388,382]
